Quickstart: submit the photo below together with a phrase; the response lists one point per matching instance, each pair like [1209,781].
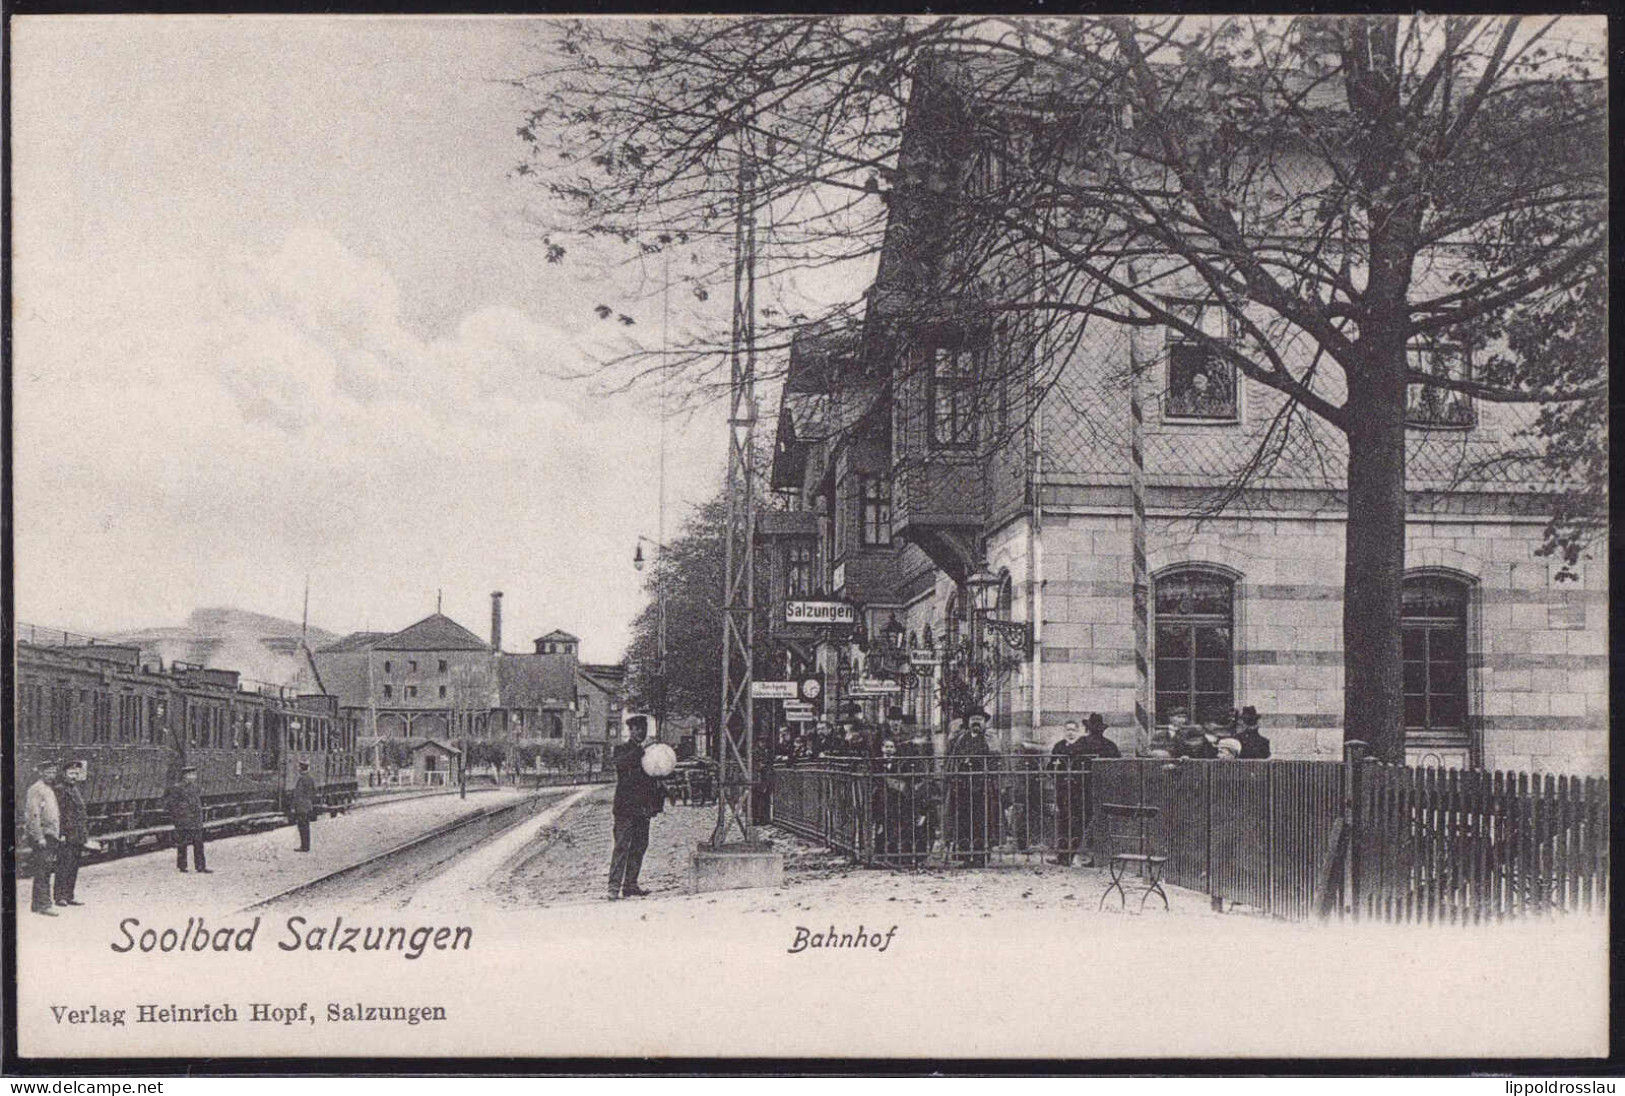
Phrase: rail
[439,844]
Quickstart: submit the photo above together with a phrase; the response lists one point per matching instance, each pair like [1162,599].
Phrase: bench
[1127,838]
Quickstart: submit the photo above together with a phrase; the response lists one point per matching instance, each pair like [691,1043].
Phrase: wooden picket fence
[1297,839]
[1452,847]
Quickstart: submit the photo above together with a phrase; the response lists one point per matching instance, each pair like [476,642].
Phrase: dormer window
[1429,406]
[1201,384]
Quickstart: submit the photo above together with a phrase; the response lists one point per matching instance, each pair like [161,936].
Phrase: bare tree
[1388,215]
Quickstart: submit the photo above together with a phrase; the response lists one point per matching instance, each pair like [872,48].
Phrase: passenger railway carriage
[137,726]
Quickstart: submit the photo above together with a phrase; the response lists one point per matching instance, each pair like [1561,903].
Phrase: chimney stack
[496,621]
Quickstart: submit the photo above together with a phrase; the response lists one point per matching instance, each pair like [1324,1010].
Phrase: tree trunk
[1374,563]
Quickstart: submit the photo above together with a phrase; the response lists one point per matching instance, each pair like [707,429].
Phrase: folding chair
[1127,838]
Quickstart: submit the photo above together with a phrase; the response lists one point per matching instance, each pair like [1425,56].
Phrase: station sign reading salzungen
[818,612]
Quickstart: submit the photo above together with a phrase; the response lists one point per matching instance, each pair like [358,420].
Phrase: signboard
[818,612]
[773,690]
[795,711]
[924,658]
[873,687]
[798,717]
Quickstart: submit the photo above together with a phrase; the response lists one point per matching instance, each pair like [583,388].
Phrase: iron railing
[1292,839]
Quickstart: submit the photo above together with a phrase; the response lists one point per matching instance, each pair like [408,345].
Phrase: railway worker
[185,804]
[42,822]
[637,800]
[75,831]
[302,804]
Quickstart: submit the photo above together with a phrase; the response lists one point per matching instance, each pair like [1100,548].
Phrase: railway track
[411,860]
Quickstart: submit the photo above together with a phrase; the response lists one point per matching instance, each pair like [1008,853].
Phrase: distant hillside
[260,647]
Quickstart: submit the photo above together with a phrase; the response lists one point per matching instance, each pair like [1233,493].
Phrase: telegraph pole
[735,770]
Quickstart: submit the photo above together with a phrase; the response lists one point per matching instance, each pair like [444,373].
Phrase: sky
[278,313]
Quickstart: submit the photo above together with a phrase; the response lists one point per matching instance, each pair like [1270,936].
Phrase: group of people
[852,740]
[1235,738]
[58,830]
[57,825]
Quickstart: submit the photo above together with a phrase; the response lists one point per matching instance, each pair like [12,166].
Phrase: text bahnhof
[300,934]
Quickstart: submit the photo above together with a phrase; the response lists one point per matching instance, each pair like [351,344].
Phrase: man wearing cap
[70,803]
[302,804]
[1254,746]
[185,804]
[42,822]
[637,799]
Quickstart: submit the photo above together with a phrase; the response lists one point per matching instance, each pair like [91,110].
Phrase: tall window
[1430,406]
[1201,384]
[875,492]
[389,691]
[952,396]
[1433,620]
[1195,661]
[799,570]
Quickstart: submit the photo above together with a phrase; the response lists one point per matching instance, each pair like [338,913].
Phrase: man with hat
[42,822]
[1254,746]
[973,791]
[302,804]
[637,800]
[75,831]
[185,803]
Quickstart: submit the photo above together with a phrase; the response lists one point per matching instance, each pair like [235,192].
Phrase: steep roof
[606,679]
[536,681]
[435,632]
[355,641]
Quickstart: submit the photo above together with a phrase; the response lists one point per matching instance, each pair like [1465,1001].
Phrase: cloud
[314,326]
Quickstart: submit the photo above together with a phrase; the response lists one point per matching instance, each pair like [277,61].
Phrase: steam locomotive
[137,726]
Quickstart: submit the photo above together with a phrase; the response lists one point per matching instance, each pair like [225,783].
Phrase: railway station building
[921,445]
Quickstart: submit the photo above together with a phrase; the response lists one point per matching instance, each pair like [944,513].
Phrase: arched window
[1195,645]
[1433,618]
[555,726]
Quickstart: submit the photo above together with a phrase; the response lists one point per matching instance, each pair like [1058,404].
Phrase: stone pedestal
[732,867]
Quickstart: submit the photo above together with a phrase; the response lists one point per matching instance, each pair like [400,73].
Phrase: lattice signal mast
[735,771]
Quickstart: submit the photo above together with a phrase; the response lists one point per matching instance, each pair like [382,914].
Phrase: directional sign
[773,690]
[818,612]
[924,658]
[873,687]
[792,711]
[798,717]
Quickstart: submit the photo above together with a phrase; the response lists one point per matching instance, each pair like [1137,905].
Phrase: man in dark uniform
[185,804]
[973,792]
[1254,746]
[75,832]
[302,804]
[637,799]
